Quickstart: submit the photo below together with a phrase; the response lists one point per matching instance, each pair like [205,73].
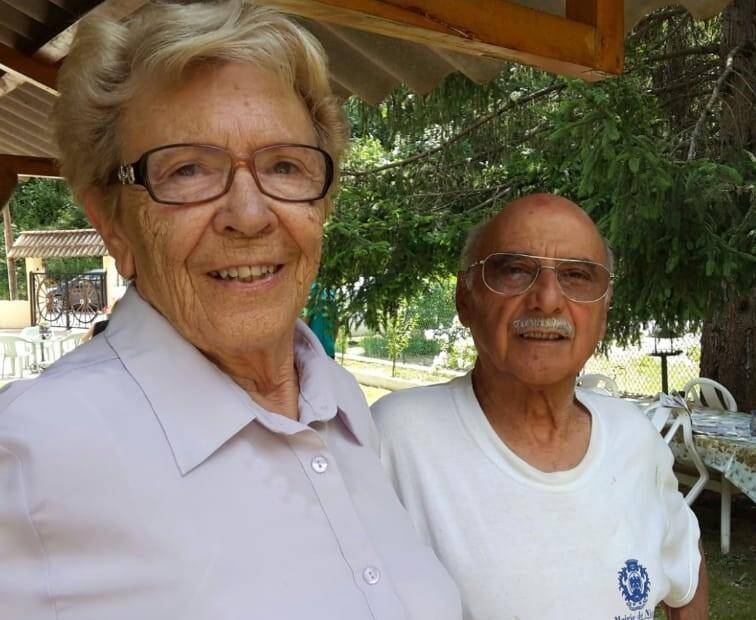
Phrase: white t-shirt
[607,540]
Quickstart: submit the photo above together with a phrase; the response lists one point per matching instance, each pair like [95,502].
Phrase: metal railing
[67,299]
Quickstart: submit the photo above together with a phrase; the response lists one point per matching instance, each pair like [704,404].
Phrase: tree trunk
[728,342]
[728,349]
[738,121]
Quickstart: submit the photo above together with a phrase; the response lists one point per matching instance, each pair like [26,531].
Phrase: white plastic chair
[680,420]
[17,351]
[69,343]
[599,383]
[709,394]
[43,353]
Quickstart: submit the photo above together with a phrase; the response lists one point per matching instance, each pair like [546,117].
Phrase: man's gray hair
[471,244]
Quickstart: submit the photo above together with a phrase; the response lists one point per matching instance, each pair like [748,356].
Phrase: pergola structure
[373,45]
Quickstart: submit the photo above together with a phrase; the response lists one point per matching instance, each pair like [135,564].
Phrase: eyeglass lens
[513,274]
[185,174]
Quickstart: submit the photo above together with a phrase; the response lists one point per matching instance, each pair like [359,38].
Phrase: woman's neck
[269,376]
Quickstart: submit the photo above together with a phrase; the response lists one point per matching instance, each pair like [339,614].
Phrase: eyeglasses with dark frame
[192,174]
[512,274]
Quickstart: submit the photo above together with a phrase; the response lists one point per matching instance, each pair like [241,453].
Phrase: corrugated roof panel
[365,64]
[58,244]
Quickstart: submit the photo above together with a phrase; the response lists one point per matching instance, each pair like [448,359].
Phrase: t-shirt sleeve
[681,557]
[23,584]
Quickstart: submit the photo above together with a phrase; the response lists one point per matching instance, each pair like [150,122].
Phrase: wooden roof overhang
[58,244]
[373,45]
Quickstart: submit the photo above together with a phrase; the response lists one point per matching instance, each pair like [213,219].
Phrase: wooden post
[8,182]
[10,262]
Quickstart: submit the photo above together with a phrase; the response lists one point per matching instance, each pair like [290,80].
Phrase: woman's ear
[103,218]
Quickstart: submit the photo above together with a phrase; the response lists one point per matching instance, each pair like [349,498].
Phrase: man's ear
[607,306]
[106,223]
[462,299]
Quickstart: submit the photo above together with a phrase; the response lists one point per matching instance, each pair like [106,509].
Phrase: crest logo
[634,584]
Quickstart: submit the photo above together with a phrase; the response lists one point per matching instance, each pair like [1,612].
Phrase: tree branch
[649,21]
[461,134]
[714,95]
[711,48]
[695,80]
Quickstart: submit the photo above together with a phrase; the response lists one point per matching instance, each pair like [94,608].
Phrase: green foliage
[374,345]
[43,204]
[397,331]
[682,231]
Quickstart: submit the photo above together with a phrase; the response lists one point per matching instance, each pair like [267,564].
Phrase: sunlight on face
[232,274]
[553,229]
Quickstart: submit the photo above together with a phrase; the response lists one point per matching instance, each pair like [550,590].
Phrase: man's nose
[246,209]
[546,294]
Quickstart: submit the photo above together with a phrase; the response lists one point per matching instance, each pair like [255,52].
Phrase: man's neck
[543,425]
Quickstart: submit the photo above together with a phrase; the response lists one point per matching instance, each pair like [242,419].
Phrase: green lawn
[372,393]
[732,578]
[402,373]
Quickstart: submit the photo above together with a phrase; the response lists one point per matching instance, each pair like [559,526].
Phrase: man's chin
[540,378]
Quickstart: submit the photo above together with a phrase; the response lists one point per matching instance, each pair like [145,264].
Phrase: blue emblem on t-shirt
[634,584]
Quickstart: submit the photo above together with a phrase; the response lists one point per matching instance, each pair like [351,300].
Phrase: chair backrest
[599,383]
[30,332]
[680,421]
[73,340]
[709,394]
[659,416]
[13,346]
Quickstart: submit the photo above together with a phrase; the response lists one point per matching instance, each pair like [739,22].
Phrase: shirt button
[371,575]
[319,464]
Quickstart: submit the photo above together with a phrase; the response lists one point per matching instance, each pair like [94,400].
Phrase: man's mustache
[557,325]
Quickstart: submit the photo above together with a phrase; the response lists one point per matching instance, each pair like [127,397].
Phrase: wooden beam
[29,69]
[489,28]
[8,182]
[30,166]
[10,263]
[610,27]
[607,17]
[581,11]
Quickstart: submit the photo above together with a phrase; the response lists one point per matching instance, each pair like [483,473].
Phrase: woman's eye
[285,167]
[187,170]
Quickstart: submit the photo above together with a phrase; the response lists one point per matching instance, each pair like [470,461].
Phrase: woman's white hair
[111,61]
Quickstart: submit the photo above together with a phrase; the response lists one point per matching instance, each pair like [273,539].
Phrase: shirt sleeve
[681,557]
[23,568]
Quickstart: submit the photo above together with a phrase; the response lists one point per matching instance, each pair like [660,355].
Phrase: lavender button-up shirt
[139,482]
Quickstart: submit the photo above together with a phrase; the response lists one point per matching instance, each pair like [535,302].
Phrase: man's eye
[515,270]
[577,274]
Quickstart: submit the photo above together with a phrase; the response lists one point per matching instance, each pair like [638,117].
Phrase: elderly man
[542,502]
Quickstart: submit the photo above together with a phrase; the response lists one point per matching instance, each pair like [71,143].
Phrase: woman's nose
[246,209]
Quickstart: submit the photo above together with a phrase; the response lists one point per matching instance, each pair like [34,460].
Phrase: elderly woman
[203,458]
[543,502]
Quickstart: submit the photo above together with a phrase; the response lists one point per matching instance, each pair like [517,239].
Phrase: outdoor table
[724,442]
[39,344]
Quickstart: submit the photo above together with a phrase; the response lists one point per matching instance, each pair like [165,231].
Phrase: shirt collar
[199,407]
